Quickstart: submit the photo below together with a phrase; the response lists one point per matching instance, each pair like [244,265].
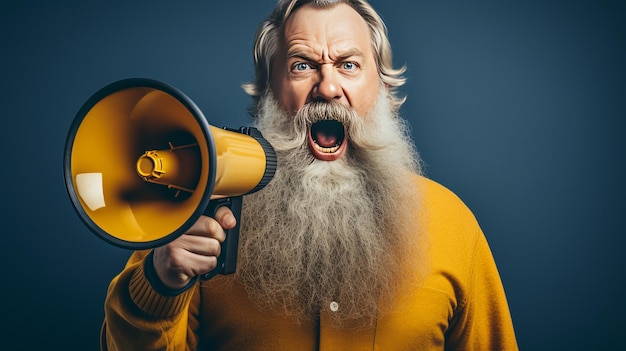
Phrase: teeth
[327,150]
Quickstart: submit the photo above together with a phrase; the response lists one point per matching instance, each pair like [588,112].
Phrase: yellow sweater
[459,305]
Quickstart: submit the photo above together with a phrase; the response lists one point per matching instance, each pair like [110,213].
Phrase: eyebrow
[304,54]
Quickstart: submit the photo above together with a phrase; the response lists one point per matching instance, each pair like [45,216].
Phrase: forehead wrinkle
[312,50]
[329,40]
[341,54]
[305,42]
[300,48]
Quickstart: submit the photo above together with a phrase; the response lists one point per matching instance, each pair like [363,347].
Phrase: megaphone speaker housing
[142,163]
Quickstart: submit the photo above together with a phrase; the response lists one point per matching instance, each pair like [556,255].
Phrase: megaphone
[142,164]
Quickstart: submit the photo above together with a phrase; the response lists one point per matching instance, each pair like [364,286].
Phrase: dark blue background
[516,106]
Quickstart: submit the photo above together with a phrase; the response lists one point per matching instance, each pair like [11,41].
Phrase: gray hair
[267,42]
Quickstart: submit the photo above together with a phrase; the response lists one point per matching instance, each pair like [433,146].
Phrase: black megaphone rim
[67,166]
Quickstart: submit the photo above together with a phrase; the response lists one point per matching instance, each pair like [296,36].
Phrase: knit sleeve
[138,317]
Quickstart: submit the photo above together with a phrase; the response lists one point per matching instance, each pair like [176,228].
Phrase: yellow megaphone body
[141,164]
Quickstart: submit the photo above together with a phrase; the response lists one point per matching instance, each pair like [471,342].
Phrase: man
[348,247]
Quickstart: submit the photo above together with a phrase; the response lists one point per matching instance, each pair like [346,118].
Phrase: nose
[328,87]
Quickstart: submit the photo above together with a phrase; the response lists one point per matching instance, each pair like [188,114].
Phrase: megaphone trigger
[227,261]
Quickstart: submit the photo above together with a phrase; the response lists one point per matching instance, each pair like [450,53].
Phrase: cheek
[365,98]
[289,96]
[282,88]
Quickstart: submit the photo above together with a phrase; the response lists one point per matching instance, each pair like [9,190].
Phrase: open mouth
[327,140]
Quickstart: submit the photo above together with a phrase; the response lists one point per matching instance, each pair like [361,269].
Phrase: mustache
[360,134]
[317,111]
[288,132]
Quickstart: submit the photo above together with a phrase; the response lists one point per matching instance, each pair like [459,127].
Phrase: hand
[194,252]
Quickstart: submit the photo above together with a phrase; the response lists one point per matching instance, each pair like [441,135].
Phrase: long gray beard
[329,231]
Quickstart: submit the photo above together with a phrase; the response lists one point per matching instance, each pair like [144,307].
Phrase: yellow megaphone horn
[142,163]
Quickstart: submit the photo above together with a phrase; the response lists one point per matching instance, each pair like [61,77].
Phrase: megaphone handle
[227,261]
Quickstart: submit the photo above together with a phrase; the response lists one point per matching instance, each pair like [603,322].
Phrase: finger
[175,266]
[200,245]
[207,227]
[225,217]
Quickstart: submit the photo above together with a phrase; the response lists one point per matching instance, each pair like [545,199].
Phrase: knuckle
[212,226]
[215,247]
[212,262]
[176,261]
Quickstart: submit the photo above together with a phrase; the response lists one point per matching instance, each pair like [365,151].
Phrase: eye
[301,66]
[349,66]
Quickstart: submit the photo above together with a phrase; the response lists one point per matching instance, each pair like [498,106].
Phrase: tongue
[325,140]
